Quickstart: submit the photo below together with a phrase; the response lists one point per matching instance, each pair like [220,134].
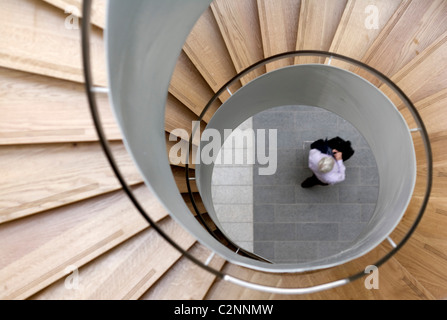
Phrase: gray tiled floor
[291,224]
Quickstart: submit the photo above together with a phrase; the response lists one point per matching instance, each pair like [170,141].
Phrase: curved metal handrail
[85,34]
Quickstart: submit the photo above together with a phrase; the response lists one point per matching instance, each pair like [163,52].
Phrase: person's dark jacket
[326,146]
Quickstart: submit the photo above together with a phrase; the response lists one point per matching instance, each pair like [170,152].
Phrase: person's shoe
[308,183]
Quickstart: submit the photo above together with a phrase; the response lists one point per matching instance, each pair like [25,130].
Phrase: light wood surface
[61,113]
[318,22]
[206,49]
[413,27]
[128,270]
[279,22]
[38,109]
[42,26]
[41,177]
[189,87]
[425,74]
[185,281]
[32,29]
[239,25]
[41,247]
[356,31]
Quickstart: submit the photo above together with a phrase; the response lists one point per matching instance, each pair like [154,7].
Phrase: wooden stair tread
[312,33]
[206,49]
[43,246]
[279,25]
[356,32]
[39,26]
[239,25]
[42,177]
[60,111]
[414,27]
[185,280]
[189,87]
[425,75]
[38,109]
[127,271]
[31,23]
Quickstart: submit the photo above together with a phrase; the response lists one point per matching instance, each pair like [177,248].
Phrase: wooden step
[127,271]
[279,26]
[425,75]
[189,87]
[239,25]
[30,24]
[206,49]
[431,110]
[41,247]
[36,40]
[180,117]
[425,254]
[313,33]
[357,29]
[412,29]
[42,177]
[38,109]
[179,174]
[185,280]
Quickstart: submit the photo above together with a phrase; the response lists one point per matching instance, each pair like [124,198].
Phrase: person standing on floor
[327,163]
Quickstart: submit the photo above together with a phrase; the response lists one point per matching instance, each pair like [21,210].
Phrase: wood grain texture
[394,281]
[38,109]
[206,48]
[180,117]
[33,29]
[185,280]
[239,25]
[41,247]
[189,87]
[179,175]
[279,25]
[431,110]
[318,23]
[356,31]
[41,177]
[127,271]
[425,75]
[412,29]
[425,254]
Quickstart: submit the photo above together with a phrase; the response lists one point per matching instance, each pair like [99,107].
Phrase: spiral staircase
[69,231]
